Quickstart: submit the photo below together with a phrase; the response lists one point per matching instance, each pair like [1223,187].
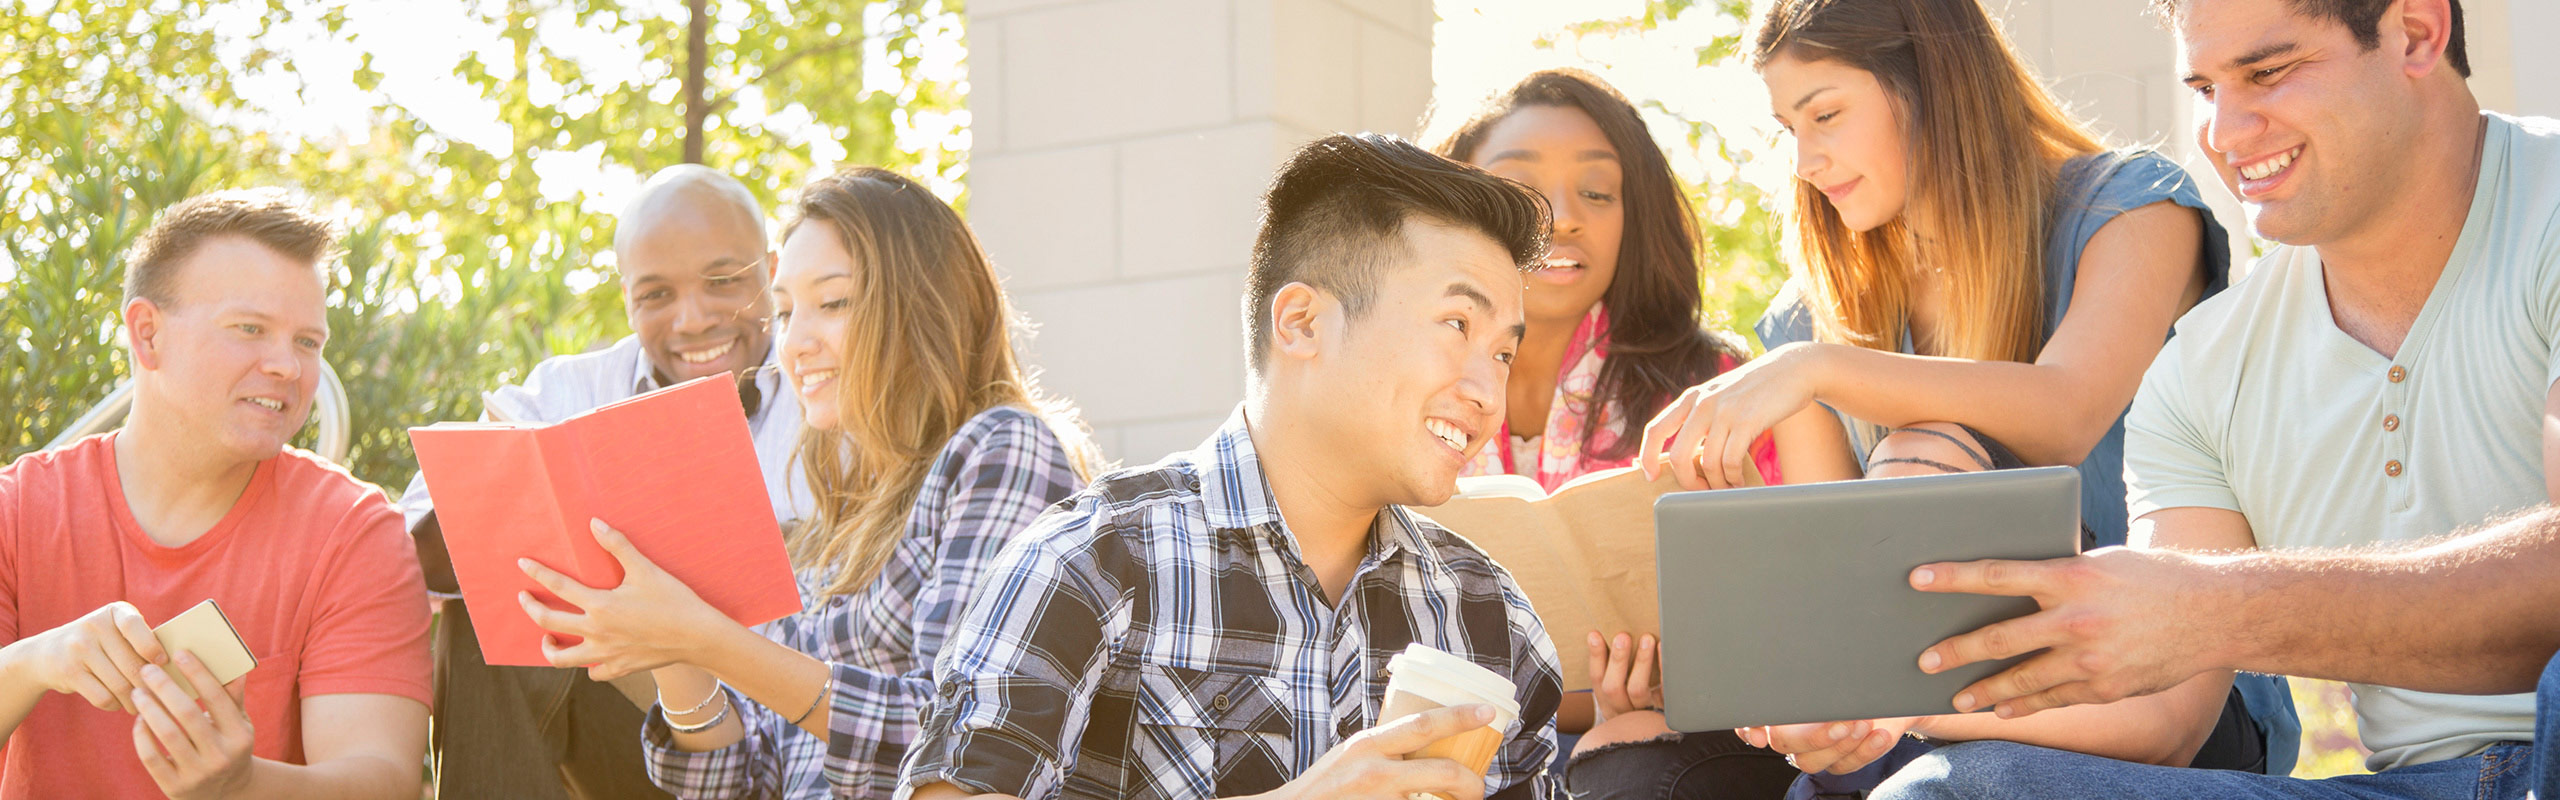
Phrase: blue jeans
[1978,770]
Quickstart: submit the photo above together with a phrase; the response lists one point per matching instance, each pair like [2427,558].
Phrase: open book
[1584,554]
[675,470]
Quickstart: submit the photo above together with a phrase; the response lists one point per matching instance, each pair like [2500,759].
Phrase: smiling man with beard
[695,270]
[2340,468]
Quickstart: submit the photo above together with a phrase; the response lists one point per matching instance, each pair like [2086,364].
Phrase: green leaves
[461,267]
[1741,224]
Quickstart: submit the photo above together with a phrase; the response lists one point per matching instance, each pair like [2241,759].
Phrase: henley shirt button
[2399,374]
[2391,468]
[2390,422]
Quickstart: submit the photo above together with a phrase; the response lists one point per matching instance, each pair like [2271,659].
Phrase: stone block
[1097,71]
[986,100]
[1048,218]
[992,9]
[1316,47]
[1145,443]
[1191,202]
[1141,350]
[1395,79]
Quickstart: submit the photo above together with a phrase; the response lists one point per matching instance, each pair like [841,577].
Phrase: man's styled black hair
[2363,19]
[1334,215]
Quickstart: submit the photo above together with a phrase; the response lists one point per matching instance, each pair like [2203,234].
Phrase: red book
[675,470]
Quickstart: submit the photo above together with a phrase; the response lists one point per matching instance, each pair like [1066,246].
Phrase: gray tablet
[1790,604]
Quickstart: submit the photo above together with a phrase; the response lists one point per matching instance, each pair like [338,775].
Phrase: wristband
[813,702]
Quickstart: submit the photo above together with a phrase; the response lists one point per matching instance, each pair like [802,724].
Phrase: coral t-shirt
[310,565]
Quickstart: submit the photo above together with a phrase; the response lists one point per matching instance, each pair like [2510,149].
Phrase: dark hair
[2363,19]
[1657,345]
[271,217]
[1332,215]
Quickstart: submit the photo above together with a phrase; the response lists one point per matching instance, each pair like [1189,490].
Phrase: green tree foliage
[460,270]
[1742,224]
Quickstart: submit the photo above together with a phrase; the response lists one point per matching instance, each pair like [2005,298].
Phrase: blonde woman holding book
[928,448]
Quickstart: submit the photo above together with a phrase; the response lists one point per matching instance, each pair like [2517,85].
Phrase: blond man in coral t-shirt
[198,497]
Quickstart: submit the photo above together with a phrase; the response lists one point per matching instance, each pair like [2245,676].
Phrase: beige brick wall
[2514,67]
[2116,65]
[1120,148]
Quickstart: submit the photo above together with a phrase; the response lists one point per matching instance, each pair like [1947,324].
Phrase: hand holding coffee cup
[1373,764]
[1423,678]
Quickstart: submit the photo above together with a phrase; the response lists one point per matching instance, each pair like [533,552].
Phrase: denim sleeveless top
[2092,190]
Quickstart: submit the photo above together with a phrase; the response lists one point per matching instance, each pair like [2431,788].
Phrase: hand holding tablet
[1794,604]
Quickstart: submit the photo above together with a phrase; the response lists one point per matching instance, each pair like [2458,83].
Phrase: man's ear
[1301,316]
[142,333]
[772,266]
[2425,29]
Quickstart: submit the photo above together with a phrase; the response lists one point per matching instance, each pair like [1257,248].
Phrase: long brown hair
[1987,144]
[1657,346]
[928,345]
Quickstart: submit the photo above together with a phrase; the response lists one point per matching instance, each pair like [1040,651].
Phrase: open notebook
[675,470]
[1584,554]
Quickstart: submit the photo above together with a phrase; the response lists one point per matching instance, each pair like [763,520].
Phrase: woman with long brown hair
[1979,283]
[1614,329]
[1967,253]
[928,447]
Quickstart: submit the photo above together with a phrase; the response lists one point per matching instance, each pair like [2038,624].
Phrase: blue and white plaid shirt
[990,481]
[1159,636]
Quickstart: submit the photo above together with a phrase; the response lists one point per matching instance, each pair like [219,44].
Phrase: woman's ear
[1299,317]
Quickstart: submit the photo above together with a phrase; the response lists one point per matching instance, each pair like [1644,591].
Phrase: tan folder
[1584,554]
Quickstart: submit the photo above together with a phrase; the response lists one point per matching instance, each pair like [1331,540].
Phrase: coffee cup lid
[1459,673]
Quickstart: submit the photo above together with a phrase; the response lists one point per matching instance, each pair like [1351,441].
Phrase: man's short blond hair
[271,217]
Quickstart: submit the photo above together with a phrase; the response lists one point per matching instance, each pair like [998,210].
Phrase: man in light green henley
[2368,414]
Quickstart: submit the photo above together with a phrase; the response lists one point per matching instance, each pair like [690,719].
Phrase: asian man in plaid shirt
[1218,624]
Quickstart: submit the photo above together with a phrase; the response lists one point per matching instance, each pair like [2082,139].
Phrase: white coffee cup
[1423,678]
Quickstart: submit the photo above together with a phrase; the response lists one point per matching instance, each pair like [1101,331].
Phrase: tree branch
[697,61]
[778,65]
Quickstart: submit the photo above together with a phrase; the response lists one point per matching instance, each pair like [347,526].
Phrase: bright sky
[1483,46]
[416,43]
